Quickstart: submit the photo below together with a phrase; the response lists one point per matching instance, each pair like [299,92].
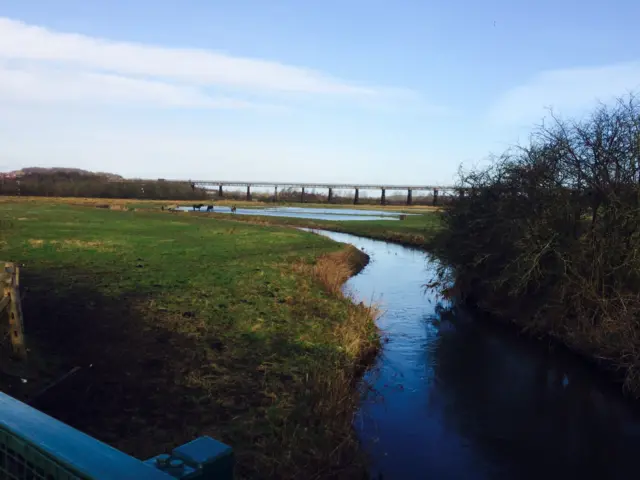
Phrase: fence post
[14,311]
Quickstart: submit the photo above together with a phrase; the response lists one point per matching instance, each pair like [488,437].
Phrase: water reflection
[529,410]
[458,397]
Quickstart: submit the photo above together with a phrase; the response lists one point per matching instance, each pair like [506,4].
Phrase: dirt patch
[94,245]
[72,243]
[84,244]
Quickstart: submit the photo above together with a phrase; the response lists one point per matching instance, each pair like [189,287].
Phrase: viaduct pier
[330,187]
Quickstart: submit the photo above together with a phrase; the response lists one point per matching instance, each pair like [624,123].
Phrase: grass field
[188,326]
[153,204]
[414,231]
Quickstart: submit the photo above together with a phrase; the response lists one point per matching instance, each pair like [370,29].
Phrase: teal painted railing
[35,446]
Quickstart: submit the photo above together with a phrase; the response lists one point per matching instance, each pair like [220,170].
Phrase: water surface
[336,214]
[454,397]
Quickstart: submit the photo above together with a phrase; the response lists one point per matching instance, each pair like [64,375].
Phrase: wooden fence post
[14,311]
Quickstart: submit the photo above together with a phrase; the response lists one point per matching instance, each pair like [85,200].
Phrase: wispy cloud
[51,86]
[567,91]
[38,64]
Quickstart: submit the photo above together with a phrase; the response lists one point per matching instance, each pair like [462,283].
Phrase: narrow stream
[454,397]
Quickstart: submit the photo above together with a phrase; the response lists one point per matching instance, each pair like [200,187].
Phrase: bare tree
[548,236]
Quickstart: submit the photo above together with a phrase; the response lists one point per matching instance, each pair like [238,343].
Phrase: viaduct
[435,189]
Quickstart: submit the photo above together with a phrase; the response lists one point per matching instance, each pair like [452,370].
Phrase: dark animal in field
[233,209]
[209,208]
[198,206]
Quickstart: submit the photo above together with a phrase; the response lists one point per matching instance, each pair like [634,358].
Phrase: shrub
[549,236]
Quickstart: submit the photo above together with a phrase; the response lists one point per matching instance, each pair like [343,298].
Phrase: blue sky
[296,90]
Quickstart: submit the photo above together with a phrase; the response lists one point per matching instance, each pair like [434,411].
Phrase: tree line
[75,184]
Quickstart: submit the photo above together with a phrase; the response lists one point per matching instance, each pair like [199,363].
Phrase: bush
[548,236]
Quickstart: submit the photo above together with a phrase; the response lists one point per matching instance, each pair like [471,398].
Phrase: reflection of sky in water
[457,397]
[311,213]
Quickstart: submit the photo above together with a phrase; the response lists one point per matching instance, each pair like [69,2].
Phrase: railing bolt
[163,460]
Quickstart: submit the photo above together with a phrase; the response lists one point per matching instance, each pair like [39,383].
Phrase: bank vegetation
[548,236]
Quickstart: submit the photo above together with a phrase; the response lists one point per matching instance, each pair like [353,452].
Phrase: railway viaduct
[435,189]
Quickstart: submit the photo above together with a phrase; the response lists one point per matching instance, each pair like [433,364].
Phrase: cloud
[51,86]
[568,91]
[122,70]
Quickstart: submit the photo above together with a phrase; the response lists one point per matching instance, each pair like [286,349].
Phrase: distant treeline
[76,184]
[62,182]
[548,237]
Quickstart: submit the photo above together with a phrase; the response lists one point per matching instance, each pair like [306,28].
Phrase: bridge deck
[336,186]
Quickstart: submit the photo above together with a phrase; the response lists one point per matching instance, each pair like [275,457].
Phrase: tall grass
[333,395]
[355,332]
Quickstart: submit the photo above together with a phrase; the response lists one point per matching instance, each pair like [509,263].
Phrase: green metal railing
[20,461]
[34,446]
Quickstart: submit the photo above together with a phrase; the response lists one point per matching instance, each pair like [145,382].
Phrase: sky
[338,91]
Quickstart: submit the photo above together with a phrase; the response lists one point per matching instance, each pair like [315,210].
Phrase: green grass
[415,230]
[193,326]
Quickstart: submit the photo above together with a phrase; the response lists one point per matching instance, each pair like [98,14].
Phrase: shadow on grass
[148,384]
[127,392]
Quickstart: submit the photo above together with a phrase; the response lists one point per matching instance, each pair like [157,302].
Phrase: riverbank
[546,241]
[414,231]
[185,326]
[454,395]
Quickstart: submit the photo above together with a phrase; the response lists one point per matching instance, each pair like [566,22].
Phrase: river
[453,397]
[333,214]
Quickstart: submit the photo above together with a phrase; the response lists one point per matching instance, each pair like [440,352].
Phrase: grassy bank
[548,238]
[414,231]
[185,326]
